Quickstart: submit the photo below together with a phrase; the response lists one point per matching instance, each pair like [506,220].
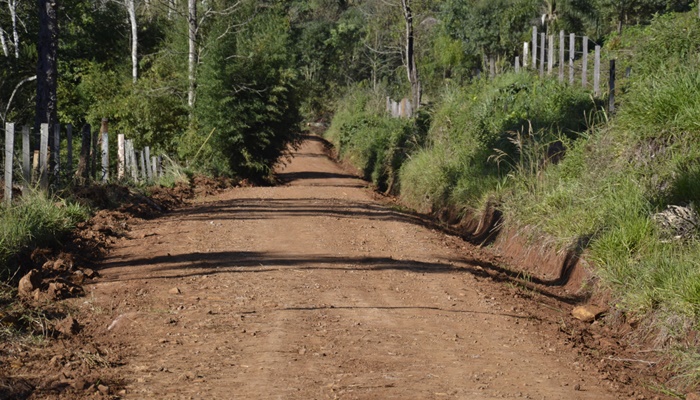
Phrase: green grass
[492,141]
[372,141]
[35,220]
[173,173]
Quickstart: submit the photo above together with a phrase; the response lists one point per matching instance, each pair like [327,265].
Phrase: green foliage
[615,13]
[482,133]
[374,142]
[613,180]
[488,27]
[36,220]
[247,98]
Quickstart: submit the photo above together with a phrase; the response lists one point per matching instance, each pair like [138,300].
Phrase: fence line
[399,109]
[548,57]
[49,168]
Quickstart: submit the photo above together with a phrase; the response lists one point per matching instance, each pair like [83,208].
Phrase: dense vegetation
[548,155]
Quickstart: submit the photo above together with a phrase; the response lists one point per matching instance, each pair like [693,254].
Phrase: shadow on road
[198,264]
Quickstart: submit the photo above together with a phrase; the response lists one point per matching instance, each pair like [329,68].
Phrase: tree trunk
[3,42]
[192,53]
[131,9]
[47,71]
[410,55]
[12,4]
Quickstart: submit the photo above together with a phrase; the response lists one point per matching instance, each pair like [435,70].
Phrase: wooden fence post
[83,171]
[104,138]
[534,47]
[542,46]
[611,87]
[154,166]
[9,154]
[517,64]
[134,165]
[127,158]
[492,67]
[526,54]
[596,72]
[584,63]
[144,174]
[562,49]
[43,157]
[69,148]
[35,166]
[26,159]
[56,151]
[121,156]
[160,165]
[93,154]
[550,55]
[105,157]
[572,56]
[147,156]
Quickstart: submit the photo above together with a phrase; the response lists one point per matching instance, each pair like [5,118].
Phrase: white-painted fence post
[9,154]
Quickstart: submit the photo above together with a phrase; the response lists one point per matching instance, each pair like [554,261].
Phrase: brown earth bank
[317,289]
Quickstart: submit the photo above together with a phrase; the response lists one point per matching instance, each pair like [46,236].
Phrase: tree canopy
[169,72]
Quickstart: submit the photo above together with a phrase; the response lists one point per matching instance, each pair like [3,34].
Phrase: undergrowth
[566,172]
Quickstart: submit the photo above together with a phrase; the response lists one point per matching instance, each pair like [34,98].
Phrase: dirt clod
[29,283]
[69,326]
[104,389]
[588,313]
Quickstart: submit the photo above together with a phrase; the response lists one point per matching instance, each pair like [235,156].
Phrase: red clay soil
[315,289]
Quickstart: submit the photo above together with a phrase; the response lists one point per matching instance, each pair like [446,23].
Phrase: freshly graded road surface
[316,290]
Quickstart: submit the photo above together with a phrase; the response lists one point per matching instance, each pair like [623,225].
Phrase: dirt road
[314,290]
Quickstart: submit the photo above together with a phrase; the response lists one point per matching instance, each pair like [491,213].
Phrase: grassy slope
[491,141]
[34,221]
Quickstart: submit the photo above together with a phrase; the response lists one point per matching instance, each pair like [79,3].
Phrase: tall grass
[35,220]
[613,181]
[494,140]
[482,133]
[173,173]
[371,140]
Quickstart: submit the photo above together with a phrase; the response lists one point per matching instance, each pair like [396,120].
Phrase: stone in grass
[588,313]
[678,222]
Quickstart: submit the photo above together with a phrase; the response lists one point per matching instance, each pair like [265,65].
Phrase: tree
[131,10]
[47,65]
[411,68]
[626,12]
[248,94]
[489,28]
[12,5]
[192,56]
